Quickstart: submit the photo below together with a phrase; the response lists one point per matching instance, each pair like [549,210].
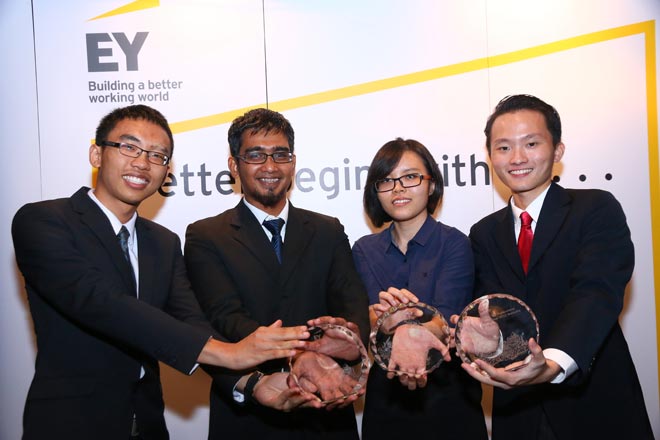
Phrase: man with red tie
[568,255]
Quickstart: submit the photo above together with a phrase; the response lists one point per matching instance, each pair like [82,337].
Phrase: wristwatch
[248,389]
[252,381]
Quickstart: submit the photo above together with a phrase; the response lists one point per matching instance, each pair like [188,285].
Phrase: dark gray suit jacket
[92,333]
[240,286]
[582,258]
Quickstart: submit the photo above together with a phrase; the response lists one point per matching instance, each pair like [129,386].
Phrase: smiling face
[407,205]
[264,185]
[124,182]
[522,154]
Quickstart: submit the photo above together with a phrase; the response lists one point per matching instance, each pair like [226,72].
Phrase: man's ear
[559,152]
[95,155]
[232,163]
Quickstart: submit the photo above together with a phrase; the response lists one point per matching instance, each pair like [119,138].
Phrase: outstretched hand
[537,369]
[265,343]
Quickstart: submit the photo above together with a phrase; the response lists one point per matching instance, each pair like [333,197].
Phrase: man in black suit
[106,309]
[584,384]
[240,282]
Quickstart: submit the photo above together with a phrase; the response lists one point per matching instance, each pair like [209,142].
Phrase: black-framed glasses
[259,157]
[406,181]
[130,150]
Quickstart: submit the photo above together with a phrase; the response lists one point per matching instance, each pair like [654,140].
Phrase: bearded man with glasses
[266,259]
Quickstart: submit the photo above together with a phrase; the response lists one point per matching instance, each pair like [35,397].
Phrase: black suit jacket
[92,333]
[240,286]
[581,260]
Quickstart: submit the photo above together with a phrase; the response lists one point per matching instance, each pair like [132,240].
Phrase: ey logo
[120,43]
[119,40]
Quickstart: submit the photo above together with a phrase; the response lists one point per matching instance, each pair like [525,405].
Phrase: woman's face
[407,204]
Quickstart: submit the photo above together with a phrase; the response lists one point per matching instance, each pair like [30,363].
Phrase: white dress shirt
[566,362]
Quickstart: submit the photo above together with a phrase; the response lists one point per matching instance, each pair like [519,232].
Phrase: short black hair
[514,103]
[259,119]
[135,112]
[384,162]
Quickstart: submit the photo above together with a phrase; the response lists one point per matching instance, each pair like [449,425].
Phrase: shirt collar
[424,234]
[421,237]
[114,221]
[262,215]
[533,209]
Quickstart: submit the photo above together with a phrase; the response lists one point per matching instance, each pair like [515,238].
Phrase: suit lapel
[98,224]
[299,234]
[147,260]
[555,209]
[251,235]
[506,241]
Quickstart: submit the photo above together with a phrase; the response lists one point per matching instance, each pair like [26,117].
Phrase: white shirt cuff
[193,369]
[237,395]
[562,359]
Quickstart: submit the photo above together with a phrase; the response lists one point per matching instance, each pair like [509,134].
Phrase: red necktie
[525,239]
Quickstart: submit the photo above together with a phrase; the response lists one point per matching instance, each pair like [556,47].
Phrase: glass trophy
[333,366]
[496,328]
[409,339]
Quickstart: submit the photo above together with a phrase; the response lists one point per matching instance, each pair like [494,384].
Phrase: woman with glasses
[434,262]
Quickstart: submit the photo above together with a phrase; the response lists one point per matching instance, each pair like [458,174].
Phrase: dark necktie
[275,226]
[525,239]
[123,236]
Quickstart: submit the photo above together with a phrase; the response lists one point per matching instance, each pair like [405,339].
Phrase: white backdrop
[349,76]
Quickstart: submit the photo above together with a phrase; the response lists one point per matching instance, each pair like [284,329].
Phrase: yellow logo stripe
[428,75]
[137,5]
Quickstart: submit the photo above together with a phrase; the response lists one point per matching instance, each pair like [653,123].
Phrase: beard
[270,198]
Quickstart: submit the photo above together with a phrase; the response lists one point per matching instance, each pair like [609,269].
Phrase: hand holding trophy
[410,340]
[334,365]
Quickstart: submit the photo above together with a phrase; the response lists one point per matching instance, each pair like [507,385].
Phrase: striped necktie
[275,226]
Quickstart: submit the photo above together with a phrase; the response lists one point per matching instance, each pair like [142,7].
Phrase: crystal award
[333,366]
[409,339]
[496,328]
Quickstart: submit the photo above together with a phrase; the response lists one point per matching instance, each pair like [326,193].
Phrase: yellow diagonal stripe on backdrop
[422,76]
[137,5]
[647,28]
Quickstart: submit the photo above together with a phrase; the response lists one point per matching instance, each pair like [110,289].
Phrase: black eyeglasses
[407,181]
[154,157]
[258,157]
